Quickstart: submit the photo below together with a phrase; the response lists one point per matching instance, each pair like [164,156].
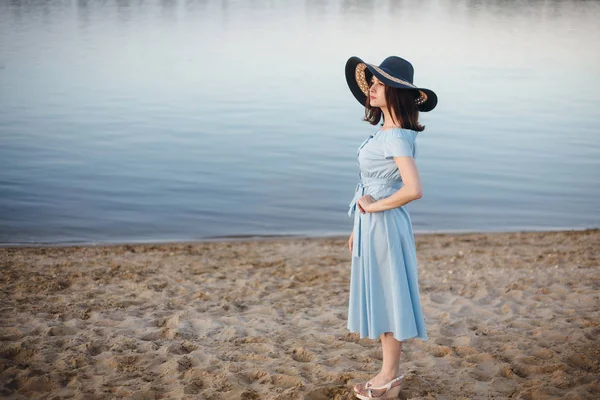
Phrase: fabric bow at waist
[358,193]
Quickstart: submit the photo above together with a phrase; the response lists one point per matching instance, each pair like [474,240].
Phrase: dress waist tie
[358,193]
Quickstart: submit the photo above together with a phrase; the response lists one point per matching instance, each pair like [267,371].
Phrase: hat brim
[359,73]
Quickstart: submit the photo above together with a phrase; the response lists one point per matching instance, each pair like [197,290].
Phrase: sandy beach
[509,316]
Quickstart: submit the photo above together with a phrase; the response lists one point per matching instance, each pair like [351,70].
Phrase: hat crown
[398,67]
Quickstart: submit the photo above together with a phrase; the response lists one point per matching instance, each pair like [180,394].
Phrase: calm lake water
[144,121]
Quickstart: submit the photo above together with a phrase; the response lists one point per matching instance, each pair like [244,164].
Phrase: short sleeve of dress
[397,145]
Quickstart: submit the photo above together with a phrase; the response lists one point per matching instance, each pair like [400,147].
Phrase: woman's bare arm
[411,190]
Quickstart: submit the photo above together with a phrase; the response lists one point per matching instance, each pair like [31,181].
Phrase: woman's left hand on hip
[365,203]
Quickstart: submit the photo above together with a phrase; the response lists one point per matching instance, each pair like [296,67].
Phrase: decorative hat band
[364,86]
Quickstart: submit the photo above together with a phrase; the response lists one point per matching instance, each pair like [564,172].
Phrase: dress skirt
[384,288]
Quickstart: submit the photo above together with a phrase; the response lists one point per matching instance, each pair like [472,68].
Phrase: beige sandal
[390,392]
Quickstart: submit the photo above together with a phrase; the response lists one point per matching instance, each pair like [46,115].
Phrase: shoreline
[508,315]
[238,238]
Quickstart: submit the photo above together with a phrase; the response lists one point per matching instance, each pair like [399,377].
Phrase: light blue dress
[384,291]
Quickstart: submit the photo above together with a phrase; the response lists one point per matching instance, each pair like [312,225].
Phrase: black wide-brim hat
[393,71]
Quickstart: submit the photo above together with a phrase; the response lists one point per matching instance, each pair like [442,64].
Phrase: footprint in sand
[376,354]
[152,335]
[42,384]
[10,334]
[425,362]
[465,351]
[96,347]
[486,366]
[527,360]
[440,351]
[465,311]
[504,385]
[184,363]
[542,354]
[302,355]
[452,330]
[441,298]
[61,330]
[177,328]
[261,348]
[353,338]
[285,381]
[583,362]
[327,340]
[257,375]
[592,334]
[509,309]
[181,348]
[16,352]
[562,379]
[331,361]
[326,393]
[194,387]
[522,371]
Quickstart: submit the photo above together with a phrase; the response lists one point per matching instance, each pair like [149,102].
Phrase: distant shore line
[260,237]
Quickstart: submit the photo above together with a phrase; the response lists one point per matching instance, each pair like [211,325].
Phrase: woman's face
[377,93]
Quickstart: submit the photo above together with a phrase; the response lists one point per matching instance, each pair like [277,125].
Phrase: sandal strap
[388,385]
[370,392]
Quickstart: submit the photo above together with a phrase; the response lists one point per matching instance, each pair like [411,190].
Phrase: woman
[384,294]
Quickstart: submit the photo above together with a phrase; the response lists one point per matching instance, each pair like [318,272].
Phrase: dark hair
[402,102]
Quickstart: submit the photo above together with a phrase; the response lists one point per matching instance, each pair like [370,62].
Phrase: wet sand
[509,316]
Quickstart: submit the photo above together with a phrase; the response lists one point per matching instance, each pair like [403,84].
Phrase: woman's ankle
[390,374]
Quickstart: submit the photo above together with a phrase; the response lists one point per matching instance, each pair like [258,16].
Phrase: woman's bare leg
[390,367]
[392,349]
